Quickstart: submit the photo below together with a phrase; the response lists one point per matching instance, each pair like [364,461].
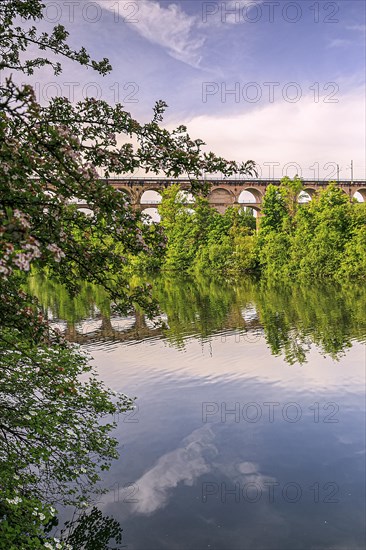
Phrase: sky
[278,82]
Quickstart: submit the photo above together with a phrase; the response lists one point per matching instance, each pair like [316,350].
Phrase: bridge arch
[250,195]
[122,324]
[253,207]
[150,196]
[88,326]
[360,195]
[220,198]
[186,197]
[152,215]
[305,196]
[86,211]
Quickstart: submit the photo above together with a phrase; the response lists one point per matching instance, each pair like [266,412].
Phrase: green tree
[291,189]
[181,229]
[353,261]
[202,240]
[280,203]
[322,231]
[49,156]
[323,238]
[273,209]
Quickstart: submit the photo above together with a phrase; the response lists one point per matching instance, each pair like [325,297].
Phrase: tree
[323,238]
[321,233]
[273,243]
[200,239]
[179,223]
[291,189]
[280,204]
[274,209]
[49,156]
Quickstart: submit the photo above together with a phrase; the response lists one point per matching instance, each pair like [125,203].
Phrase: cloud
[338,42]
[186,464]
[183,465]
[361,28]
[169,27]
[196,456]
[180,34]
[241,11]
[304,132]
[231,12]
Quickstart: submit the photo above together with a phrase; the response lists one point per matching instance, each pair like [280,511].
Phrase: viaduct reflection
[111,329]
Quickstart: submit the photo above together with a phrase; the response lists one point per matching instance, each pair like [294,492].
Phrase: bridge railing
[261,181]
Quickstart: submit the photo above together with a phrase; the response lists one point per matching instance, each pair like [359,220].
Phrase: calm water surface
[250,427]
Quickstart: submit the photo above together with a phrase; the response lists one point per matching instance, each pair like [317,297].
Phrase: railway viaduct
[223,192]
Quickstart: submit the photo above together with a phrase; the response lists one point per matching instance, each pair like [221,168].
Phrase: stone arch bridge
[223,192]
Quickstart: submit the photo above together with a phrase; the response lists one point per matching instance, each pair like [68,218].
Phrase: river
[249,430]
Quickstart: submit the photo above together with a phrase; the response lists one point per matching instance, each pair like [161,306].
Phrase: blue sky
[295,71]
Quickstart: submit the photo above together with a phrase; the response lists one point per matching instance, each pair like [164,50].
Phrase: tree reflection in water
[291,317]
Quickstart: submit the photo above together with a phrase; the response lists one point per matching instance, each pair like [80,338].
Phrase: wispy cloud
[361,28]
[169,27]
[239,10]
[183,465]
[196,456]
[229,12]
[338,43]
[180,34]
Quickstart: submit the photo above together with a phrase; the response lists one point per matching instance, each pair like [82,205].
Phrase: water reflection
[292,318]
[250,426]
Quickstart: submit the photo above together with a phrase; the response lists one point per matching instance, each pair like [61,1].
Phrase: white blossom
[15,500]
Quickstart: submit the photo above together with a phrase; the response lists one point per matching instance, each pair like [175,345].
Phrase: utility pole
[351,171]
[338,173]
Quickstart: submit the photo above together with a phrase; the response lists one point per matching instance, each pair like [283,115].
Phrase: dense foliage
[199,239]
[54,437]
[324,238]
